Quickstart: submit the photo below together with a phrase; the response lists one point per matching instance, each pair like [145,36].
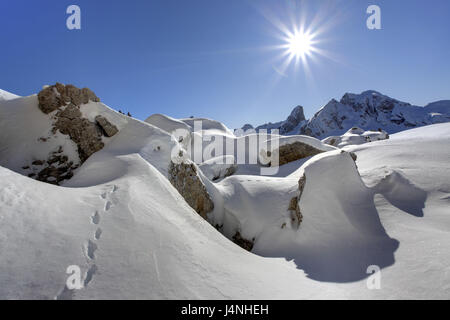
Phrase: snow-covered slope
[5,95]
[356,136]
[122,222]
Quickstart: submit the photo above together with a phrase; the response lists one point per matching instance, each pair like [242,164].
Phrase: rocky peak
[295,118]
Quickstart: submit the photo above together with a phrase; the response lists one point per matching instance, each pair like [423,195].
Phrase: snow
[22,125]
[355,136]
[5,95]
[167,123]
[133,236]
[217,168]
[208,126]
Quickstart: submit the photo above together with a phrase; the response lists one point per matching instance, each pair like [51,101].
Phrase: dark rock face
[295,151]
[54,97]
[55,169]
[242,242]
[84,133]
[294,205]
[295,118]
[66,101]
[185,179]
[108,129]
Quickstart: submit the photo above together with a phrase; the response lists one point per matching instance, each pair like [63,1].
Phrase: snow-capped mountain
[290,126]
[369,110]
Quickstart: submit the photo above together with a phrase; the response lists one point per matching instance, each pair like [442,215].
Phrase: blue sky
[218,59]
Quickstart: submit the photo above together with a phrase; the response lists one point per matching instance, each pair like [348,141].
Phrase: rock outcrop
[184,177]
[294,205]
[295,151]
[54,169]
[54,97]
[242,242]
[65,101]
[109,129]
[87,135]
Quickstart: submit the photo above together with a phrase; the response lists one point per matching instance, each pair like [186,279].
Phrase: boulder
[295,151]
[294,205]
[295,118]
[87,135]
[49,99]
[108,129]
[184,177]
[242,242]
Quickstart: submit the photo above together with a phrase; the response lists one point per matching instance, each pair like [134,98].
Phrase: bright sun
[299,44]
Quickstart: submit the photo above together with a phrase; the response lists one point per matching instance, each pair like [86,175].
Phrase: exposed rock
[230,171]
[87,135]
[66,100]
[37,163]
[294,205]
[49,100]
[294,151]
[296,117]
[185,179]
[54,97]
[108,129]
[243,243]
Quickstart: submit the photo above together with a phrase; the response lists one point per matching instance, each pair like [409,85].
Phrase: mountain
[290,126]
[369,110]
[83,187]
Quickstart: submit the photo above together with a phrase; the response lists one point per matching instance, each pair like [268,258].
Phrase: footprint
[103,195]
[90,248]
[108,205]
[90,274]
[95,218]
[115,188]
[98,233]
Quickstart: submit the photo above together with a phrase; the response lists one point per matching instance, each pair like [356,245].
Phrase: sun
[299,44]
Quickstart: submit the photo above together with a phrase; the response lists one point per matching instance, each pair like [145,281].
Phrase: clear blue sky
[215,58]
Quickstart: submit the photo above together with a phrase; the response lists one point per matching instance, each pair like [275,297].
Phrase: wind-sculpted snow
[340,234]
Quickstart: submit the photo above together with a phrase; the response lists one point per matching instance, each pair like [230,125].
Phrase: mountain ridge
[369,110]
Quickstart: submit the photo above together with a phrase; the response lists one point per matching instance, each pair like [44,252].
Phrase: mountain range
[369,110]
